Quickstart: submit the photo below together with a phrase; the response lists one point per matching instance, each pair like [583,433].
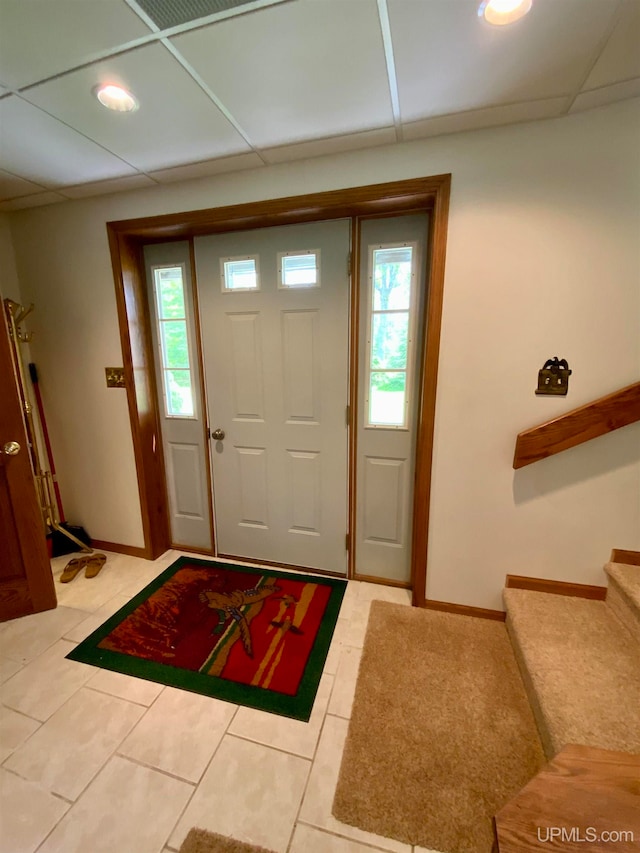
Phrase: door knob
[218,434]
[11,448]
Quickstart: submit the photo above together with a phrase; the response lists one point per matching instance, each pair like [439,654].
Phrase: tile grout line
[146,766]
[114,696]
[100,767]
[351,839]
[306,785]
[195,790]
[280,749]
[22,713]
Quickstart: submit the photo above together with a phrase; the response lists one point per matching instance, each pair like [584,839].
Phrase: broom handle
[33,373]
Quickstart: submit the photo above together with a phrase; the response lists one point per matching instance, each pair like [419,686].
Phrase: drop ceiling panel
[209,167]
[620,60]
[449,60]
[37,147]
[296,71]
[333,145]
[606,95]
[11,186]
[176,122]
[489,117]
[115,185]
[36,200]
[40,38]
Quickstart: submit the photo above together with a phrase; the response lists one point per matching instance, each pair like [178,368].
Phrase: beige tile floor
[98,762]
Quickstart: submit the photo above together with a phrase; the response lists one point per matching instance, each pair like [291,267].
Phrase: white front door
[275,321]
[182,417]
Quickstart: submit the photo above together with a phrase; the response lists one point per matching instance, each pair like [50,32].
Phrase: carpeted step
[623,595]
[581,668]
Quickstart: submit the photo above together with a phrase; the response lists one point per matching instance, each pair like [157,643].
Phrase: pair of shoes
[92,563]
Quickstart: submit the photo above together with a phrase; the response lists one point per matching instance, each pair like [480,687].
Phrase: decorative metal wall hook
[554,377]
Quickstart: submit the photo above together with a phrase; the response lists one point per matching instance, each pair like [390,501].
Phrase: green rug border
[297,707]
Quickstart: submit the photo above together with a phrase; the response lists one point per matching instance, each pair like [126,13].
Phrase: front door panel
[392,278]
[182,416]
[276,359]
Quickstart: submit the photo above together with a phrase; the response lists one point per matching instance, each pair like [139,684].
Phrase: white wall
[542,260]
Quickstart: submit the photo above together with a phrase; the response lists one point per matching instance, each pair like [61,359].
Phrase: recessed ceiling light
[501,12]
[116,98]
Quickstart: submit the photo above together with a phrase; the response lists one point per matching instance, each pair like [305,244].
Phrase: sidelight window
[392,301]
[173,341]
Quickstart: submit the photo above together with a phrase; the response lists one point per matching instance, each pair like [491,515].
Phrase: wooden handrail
[598,418]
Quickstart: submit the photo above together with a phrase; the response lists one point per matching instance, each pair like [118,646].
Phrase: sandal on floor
[94,563]
[72,568]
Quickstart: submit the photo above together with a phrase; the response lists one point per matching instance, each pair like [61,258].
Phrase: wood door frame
[126,238]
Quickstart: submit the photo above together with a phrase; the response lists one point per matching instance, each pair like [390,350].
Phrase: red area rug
[255,637]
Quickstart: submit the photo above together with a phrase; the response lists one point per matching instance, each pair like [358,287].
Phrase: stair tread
[584,668]
[628,580]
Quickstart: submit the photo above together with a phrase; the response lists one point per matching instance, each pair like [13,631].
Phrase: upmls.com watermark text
[588,835]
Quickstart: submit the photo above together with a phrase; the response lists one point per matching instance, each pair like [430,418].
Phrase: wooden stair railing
[598,418]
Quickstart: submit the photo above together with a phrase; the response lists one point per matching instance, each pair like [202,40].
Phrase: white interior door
[392,288]
[178,378]
[274,313]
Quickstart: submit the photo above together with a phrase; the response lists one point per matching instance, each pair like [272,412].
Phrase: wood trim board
[629,558]
[465,610]
[118,548]
[579,425]
[578,590]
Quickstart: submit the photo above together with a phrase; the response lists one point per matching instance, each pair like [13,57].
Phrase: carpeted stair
[580,661]
[623,594]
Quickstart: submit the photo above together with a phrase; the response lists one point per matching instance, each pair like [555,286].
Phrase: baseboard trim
[381,581]
[205,552]
[465,610]
[577,590]
[130,550]
[629,558]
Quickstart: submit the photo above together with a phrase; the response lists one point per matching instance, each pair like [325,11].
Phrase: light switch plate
[115,377]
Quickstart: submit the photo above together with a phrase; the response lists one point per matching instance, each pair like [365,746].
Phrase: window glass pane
[386,398]
[179,395]
[241,275]
[389,341]
[170,293]
[299,270]
[392,278]
[175,349]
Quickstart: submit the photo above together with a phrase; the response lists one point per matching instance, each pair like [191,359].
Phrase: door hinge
[347,415]
[349,264]
[347,542]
